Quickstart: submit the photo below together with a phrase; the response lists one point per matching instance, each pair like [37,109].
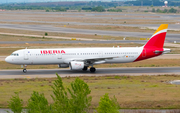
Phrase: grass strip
[132,92]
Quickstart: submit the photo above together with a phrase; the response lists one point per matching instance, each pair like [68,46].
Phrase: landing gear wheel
[24,70]
[85,68]
[92,69]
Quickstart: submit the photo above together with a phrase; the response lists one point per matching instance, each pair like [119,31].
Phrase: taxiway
[50,28]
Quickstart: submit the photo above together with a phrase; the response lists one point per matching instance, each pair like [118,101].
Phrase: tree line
[172,10]
[75,99]
[152,2]
[58,9]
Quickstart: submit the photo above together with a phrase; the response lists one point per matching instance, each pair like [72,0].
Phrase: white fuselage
[64,56]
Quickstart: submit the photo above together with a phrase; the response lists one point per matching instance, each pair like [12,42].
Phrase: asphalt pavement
[48,73]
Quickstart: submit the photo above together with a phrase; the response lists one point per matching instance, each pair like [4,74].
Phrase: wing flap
[89,60]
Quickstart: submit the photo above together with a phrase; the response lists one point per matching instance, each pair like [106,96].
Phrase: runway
[150,26]
[48,73]
[95,15]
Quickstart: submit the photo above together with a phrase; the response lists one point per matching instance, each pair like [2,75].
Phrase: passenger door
[60,56]
[100,54]
[26,54]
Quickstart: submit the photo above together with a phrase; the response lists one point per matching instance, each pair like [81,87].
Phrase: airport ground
[62,24]
[21,29]
[142,92]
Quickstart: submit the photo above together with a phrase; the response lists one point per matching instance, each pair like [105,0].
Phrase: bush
[114,10]
[38,103]
[15,103]
[107,105]
[46,34]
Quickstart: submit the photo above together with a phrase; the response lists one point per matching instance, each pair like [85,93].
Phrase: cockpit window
[14,54]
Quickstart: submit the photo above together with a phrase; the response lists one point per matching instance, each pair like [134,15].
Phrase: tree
[47,10]
[159,11]
[107,105]
[172,10]
[165,11]
[153,10]
[114,10]
[79,10]
[15,103]
[38,104]
[76,100]
[46,34]
[79,102]
[98,9]
[61,9]
[60,97]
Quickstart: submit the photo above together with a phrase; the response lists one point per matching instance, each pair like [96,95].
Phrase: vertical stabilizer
[154,47]
[158,38]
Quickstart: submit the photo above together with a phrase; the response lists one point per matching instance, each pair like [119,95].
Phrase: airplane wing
[89,60]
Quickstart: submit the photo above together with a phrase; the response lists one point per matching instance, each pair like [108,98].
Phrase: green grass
[142,92]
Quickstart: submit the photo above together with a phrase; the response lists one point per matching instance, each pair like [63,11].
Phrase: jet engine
[74,65]
[63,65]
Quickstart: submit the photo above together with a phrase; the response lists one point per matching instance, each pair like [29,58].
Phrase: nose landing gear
[24,70]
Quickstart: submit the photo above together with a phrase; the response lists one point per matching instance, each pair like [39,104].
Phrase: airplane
[82,58]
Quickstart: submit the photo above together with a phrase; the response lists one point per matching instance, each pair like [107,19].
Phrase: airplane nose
[7,59]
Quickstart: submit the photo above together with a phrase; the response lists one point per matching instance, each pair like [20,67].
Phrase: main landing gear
[92,69]
[85,68]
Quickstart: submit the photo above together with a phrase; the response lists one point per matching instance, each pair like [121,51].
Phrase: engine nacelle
[74,65]
[63,65]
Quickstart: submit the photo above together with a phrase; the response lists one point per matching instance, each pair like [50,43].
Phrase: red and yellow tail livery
[154,47]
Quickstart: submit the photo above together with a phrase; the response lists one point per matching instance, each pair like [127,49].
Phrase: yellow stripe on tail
[161,27]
